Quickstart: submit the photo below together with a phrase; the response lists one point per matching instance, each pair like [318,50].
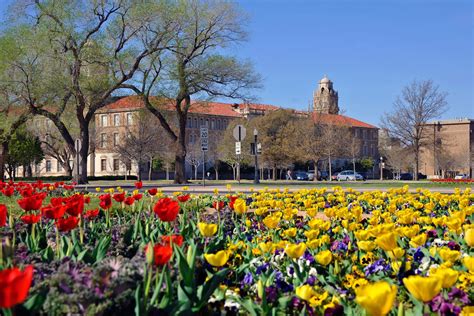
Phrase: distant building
[449,149]
[112,123]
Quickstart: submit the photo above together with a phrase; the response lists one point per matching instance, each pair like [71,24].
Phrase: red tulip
[218,205]
[119,197]
[75,205]
[184,198]
[30,219]
[105,201]
[173,239]
[87,199]
[232,201]
[129,200]
[8,191]
[153,191]
[3,215]
[31,203]
[162,254]
[14,286]
[138,185]
[138,196]
[56,201]
[166,209]
[53,212]
[67,224]
[91,213]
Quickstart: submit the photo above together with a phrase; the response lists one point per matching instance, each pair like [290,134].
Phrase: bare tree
[397,156]
[420,102]
[195,157]
[196,66]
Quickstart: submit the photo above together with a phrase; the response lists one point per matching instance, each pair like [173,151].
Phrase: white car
[461,176]
[349,175]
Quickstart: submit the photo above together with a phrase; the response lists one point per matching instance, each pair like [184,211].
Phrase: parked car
[323,175]
[334,176]
[301,175]
[404,176]
[461,176]
[349,175]
[310,174]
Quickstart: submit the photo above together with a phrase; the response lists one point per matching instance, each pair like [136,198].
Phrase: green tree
[24,150]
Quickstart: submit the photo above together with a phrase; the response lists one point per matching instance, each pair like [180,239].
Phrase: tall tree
[80,53]
[197,66]
[24,150]
[419,103]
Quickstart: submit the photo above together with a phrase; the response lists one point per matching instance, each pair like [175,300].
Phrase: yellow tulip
[469,237]
[376,298]
[423,288]
[266,246]
[366,245]
[449,255]
[448,276]
[387,241]
[396,253]
[469,263]
[218,259]
[324,257]
[290,232]
[418,240]
[207,230]
[305,292]
[295,251]
[271,221]
[240,206]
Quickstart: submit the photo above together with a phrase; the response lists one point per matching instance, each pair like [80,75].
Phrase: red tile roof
[339,120]
[198,107]
[231,110]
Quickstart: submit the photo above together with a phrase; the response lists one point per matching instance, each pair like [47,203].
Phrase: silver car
[349,175]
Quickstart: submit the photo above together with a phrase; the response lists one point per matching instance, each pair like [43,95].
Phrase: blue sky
[370,49]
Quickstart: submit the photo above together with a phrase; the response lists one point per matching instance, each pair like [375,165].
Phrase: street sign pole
[239,132]
[204,147]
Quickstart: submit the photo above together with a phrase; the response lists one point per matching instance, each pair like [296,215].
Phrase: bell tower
[325,98]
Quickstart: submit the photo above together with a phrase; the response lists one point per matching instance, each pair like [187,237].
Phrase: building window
[103,120]
[103,164]
[201,123]
[189,123]
[116,139]
[37,168]
[103,140]
[116,119]
[129,118]
[59,168]
[191,138]
[364,133]
[207,123]
[213,124]
[116,164]
[48,165]
[195,123]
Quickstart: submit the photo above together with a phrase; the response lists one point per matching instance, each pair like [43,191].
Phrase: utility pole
[256,178]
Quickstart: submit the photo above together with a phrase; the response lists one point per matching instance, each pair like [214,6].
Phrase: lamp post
[381,168]
[256,179]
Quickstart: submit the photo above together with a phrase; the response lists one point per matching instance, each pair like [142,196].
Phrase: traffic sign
[204,132]
[239,133]
[238,148]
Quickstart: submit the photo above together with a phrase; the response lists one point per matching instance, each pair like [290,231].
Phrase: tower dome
[325,98]
[325,80]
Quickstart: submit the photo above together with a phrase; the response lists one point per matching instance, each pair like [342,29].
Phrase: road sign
[204,144]
[238,148]
[259,148]
[204,132]
[239,133]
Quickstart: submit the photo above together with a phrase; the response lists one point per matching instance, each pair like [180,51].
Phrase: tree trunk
[353,165]
[84,152]
[217,173]
[274,173]
[150,169]
[167,172]
[330,168]
[195,172]
[3,159]
[233,172]
[315,171]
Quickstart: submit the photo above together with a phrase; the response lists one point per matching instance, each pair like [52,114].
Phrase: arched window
[201,121]
[195,123]
[213,124]
[218,124]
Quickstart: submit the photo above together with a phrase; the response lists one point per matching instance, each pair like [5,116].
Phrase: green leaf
[210,286]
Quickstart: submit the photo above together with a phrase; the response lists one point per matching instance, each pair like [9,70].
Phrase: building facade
[448,148]
[114,121]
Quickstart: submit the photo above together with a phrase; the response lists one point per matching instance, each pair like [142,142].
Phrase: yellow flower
[376,298]
[467,311]
[448,276]
[366,245]
[449,255]
[423,288]
[271,221]
[240,207]
[229,187]
[218,259]
[396,253]
[290,232]
[295,251]
[216,191]
[324,257]
[469,237]
[266,246]
[207,230]
[97,189]
[305,292]
[418,240]
[469,263]
[317,300]
[387,241]
[248,223]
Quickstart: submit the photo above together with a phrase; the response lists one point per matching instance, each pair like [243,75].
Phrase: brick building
[115,120]
[449,148]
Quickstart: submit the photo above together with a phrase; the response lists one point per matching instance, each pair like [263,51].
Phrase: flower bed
[269,252]
[451,180]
